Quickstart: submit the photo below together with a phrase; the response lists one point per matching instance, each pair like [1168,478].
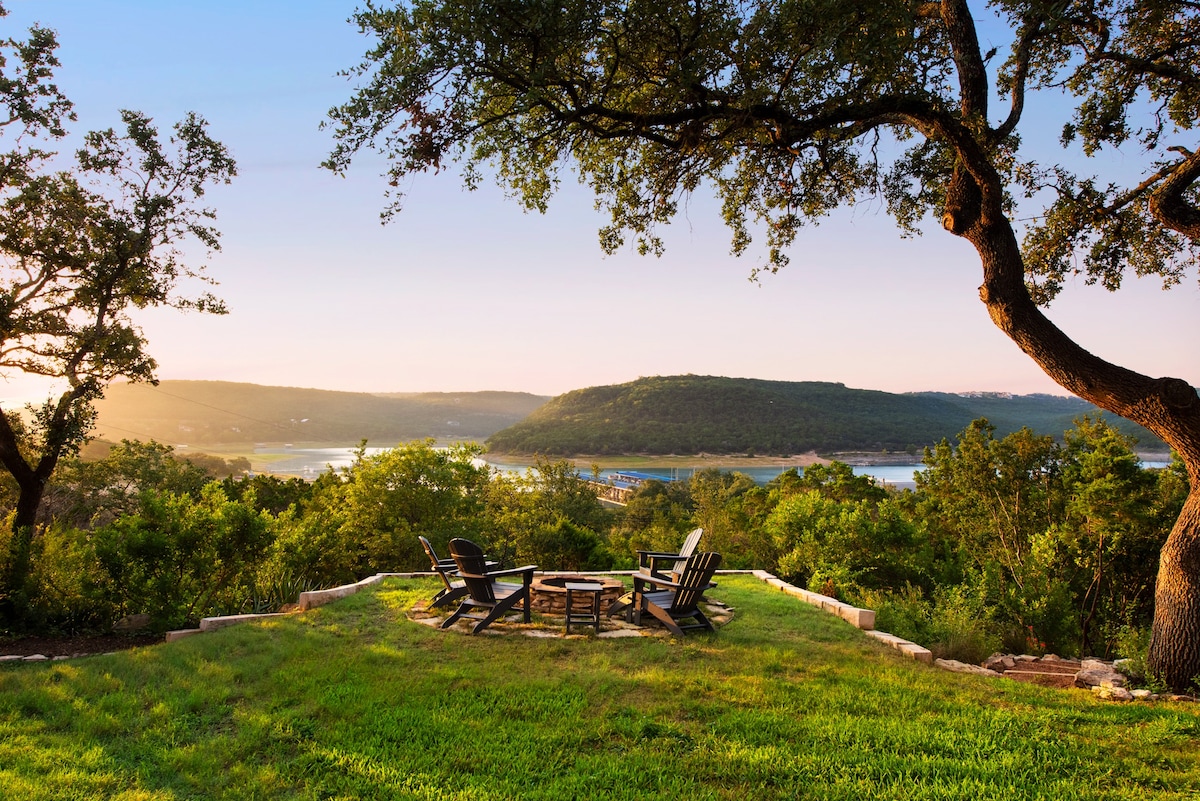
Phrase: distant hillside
[1045,414]
[695,414]
[211,412]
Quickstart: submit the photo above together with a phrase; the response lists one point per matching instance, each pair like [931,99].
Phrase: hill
[708,414]
[211,412]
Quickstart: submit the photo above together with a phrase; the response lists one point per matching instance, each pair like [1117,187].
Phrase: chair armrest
[644,555]
[654,579]
[512,571]
[659,581]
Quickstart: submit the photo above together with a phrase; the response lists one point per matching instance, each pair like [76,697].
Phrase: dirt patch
[80,645]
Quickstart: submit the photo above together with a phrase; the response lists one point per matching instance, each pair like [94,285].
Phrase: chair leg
[661,615]
[704,621]
[622,606]
[447,596]
[462,610]
[498,610]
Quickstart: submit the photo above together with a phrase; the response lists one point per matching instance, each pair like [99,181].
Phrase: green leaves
[79,250]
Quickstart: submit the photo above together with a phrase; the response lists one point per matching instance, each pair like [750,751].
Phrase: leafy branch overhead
[790,110]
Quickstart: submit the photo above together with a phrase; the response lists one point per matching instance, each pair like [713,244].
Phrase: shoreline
[695,461]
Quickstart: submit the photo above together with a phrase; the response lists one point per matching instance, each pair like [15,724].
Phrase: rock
[1000,662]
[36,658]
[1143,695]
[1180,698]
[1113,693]
[132,623]
[954,666]
[619,633]
[1099,677]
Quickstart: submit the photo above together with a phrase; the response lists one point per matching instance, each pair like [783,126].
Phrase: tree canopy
[788,109]
[82,246]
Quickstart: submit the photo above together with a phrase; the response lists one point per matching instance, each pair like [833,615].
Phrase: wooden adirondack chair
[673,600]
[651,562]
[483,590]
[445,568]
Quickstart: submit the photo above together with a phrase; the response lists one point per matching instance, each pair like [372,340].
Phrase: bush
[179,559]
[960,627]
[953,625]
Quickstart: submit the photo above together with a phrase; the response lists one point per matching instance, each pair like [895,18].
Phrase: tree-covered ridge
[709,414]
[209,412]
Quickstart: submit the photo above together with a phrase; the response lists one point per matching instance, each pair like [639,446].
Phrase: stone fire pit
[549,593]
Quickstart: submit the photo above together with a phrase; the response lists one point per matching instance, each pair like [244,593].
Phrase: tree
[391,498]
[790,109]
[88,494]
[548,515]
[80,249]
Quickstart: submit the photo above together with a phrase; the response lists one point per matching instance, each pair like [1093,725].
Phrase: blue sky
[463,291]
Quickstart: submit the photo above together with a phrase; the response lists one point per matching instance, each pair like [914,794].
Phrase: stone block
[859,618]
[179,634]
[917,652]
[214,623]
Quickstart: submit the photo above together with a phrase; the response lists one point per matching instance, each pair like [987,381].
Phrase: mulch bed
[79,645]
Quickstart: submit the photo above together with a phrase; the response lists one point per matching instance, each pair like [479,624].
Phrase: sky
[463,291]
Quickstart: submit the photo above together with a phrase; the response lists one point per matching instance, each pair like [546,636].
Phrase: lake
[311,462]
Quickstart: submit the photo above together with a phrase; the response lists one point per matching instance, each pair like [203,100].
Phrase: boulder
[1099,675]
[132,623]
[954,666]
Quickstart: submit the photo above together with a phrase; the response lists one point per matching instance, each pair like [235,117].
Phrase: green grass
[353,701]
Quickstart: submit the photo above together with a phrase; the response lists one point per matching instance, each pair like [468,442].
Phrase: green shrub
[904,612]
[960,627]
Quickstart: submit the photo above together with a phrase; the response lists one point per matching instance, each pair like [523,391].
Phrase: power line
[280,426]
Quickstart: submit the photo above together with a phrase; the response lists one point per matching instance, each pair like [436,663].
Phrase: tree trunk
[1170,407]
[13,597]
[1175,638]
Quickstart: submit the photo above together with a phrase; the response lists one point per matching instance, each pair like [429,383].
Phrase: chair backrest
[472,568]
[687,549]
[694,580]
[434,562]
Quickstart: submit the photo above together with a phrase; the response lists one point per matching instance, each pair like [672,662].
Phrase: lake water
[311,462]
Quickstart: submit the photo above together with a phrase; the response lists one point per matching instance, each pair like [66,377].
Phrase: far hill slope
[694,414]
[210,412]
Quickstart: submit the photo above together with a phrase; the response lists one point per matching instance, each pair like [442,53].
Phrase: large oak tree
[83,244]
[788,109]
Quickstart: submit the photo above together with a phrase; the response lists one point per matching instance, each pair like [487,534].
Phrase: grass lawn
[353,701]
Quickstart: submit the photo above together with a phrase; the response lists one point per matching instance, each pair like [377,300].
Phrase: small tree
[792,108]
[81,249]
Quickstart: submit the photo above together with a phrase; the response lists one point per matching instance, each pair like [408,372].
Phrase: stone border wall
[863,619]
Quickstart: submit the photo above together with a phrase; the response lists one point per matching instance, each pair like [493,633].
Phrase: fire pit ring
[549,593]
